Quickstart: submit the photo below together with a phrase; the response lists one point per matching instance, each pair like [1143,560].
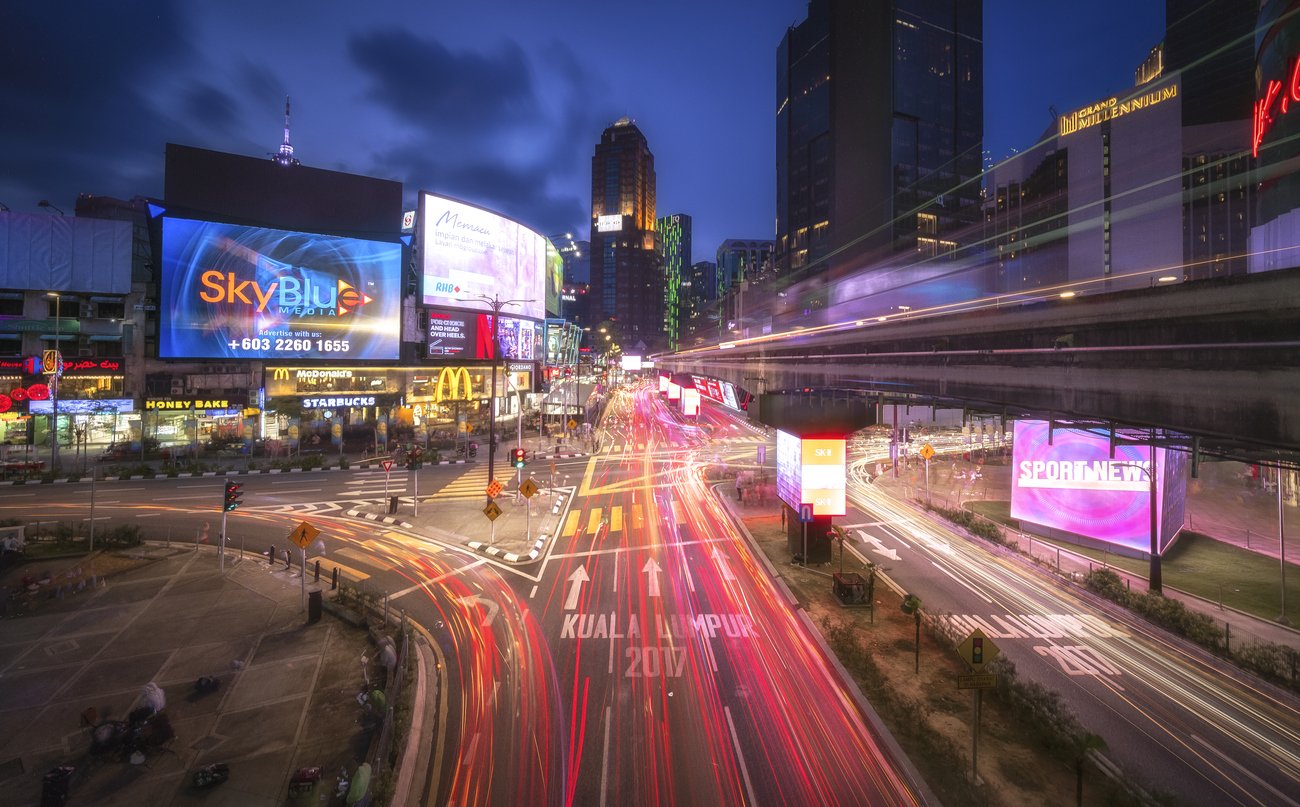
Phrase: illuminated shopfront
[196,422]
[343,407]
[93,410]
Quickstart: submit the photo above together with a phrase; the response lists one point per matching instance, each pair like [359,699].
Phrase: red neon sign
[1265,113]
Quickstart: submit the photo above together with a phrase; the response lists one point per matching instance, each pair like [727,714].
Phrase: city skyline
[100,95]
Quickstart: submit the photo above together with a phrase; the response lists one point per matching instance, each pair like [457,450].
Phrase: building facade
[879,131]
[626,279]
[673,241]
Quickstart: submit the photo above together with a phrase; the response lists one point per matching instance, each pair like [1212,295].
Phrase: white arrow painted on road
[576,580]
[488,605]
[877,547]
[653,569]
[721,560]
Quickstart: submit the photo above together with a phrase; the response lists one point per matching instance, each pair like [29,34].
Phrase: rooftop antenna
[285,155]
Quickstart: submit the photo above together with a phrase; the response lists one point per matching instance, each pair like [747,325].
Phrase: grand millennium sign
[1113,108]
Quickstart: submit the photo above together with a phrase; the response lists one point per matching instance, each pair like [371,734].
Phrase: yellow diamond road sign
[573,424]
[927,451]
[492,511]
[303,534]
[977,650]
[493,489]
[528,488]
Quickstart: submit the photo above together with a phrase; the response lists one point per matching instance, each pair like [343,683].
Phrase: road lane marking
[363,558]
[208,486]
[1282,797]
[616,518]
[963,583]
[304,490]
[637,517]
[432,580]
[571,523]
[593,521]
[604,761]
[328,564]
[740,757]
[147,515]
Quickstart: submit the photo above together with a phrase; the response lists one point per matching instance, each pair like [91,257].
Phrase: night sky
[499,103]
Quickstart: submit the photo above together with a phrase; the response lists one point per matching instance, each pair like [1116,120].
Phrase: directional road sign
[528,488]
[977,650]
[806,512]
[303,534]
[493,490]
[927,451]
[492,511]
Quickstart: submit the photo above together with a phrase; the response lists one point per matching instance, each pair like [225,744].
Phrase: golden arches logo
[280,374]
[451,379]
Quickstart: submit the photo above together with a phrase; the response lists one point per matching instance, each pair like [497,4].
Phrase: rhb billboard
[232,291]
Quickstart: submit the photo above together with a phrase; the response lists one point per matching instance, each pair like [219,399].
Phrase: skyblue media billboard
[230,291]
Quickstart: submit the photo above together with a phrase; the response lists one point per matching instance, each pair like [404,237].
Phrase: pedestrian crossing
[614,519]
[370,485]
[630,448]
[468,486]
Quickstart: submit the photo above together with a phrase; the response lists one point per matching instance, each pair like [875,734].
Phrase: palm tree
[1083,745]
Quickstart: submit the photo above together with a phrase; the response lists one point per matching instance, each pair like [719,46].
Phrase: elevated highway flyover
[1216,361]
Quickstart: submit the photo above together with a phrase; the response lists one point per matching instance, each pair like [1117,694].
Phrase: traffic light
[519,457]
[232,498]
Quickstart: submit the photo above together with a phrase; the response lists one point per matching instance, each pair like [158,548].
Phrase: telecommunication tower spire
[285,155]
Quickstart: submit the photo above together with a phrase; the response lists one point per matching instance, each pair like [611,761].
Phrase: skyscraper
[626,281]
[879,129]
[674,245]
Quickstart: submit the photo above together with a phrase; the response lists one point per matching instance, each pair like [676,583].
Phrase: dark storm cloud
[499,129]
[210,107]
[424,82]
[72,94]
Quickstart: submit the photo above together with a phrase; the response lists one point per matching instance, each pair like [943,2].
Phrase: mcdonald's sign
[280,374]
[451,379]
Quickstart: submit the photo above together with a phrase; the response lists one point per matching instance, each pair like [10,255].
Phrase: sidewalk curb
[357,513]
[361,466]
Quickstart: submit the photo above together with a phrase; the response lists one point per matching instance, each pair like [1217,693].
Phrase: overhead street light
[46,203]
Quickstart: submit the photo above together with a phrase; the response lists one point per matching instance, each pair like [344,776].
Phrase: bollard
[335,583]
[1227,638]
[270,555]
[288,559]
[317,580]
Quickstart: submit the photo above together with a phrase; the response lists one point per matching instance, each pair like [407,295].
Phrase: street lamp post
[54,381]
[496,304]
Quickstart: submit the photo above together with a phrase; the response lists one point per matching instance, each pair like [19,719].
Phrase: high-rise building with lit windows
[673,241]
[879,130]
[626,280]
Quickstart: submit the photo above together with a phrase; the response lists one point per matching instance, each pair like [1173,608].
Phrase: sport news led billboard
[811,471]
[231,291]
[1073,483]
[467,251]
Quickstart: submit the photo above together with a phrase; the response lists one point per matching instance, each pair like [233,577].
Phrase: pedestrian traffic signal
[520,457]
[232,497]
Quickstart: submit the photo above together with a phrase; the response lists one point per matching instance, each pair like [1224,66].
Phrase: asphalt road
[649,658]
